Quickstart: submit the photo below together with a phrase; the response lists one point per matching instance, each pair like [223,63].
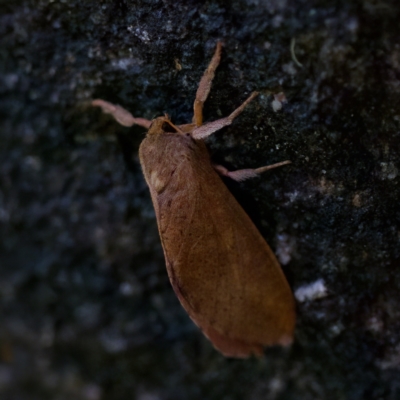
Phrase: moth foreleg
[243,174]
[124,117]
[205,86]
[202,132]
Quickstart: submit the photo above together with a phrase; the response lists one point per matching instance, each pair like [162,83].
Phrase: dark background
[87,311]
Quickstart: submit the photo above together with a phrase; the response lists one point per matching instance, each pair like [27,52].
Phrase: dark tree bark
[87,311]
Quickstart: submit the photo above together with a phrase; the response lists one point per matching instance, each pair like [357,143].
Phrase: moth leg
[243,174]
[187,128]
[205,86]
[121,115]
[202,132]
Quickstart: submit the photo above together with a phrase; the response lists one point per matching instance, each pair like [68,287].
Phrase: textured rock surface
[87,311]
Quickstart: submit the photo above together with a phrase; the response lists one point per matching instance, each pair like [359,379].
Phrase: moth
[220,267]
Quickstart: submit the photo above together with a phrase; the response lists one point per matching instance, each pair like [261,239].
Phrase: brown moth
[222,270]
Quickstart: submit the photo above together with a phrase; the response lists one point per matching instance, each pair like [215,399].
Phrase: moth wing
[222,270]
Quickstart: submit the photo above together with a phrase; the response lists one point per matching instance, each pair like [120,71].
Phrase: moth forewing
[222,270]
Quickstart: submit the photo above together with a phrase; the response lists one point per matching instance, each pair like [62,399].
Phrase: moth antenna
[173,125]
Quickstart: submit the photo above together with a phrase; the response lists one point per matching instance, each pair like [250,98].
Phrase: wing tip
[236,348]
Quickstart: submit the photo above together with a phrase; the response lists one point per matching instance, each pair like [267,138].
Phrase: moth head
[162,125]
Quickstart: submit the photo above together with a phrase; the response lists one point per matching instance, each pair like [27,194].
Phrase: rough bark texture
[87,311]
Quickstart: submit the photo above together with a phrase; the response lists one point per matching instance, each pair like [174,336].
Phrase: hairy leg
[205,86]
[202,132]
[243,174]
[121,115]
